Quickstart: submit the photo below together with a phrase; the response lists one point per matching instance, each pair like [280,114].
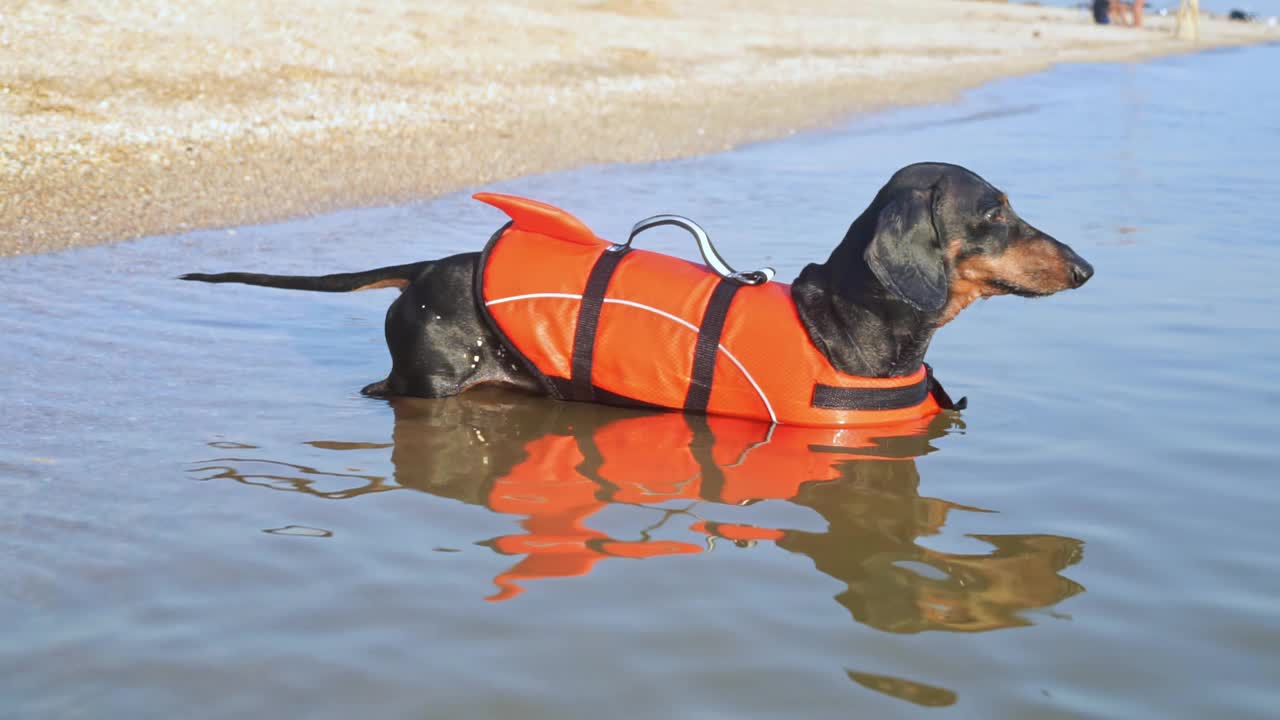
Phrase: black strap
[841,398]
[940,394]
[584,337]
[845,398]
[704,353]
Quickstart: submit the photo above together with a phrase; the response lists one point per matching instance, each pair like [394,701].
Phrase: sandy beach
[130,118]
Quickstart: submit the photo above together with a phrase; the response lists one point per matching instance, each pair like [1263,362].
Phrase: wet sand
[124,119]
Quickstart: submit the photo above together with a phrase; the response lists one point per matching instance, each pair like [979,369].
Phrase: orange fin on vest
[539,217]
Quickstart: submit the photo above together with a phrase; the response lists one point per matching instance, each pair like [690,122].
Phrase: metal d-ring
[709,254]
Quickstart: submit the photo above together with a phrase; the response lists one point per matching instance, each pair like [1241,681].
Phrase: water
[203,519]
[1263,8]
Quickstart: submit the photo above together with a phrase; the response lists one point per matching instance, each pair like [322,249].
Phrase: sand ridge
[123,118]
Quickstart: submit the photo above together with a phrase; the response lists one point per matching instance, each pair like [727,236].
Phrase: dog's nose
[1081,271]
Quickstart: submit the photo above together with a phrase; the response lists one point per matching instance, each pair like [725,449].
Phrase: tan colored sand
[125,118]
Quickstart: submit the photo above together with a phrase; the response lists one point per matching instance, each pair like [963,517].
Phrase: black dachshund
[935,238]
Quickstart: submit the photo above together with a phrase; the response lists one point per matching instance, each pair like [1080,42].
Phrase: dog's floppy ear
[905,254]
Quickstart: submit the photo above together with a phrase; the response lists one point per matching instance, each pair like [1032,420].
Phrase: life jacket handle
[709,254]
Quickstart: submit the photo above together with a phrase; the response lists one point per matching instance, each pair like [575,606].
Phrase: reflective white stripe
[772,418]
[532,296]
[655,311]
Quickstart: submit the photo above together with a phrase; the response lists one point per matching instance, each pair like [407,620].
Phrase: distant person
[1102,12]
[1135,13]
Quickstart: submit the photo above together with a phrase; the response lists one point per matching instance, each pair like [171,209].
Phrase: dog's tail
[398,276]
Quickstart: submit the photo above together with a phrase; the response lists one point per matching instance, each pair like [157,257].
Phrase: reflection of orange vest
[641,328]
[565,479]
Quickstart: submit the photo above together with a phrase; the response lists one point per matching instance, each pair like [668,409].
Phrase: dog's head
[944,237]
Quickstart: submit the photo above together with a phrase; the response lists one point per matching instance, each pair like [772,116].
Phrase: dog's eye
[995,214]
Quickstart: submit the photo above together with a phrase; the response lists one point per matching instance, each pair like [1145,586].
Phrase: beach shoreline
[127,119]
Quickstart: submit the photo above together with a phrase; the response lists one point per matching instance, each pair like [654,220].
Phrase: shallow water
[203,519]
[1262,8]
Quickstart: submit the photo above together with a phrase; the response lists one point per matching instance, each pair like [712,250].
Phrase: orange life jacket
[604,323]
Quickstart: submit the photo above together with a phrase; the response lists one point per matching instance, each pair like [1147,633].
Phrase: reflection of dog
[559,470]
[571,465]
[934,239]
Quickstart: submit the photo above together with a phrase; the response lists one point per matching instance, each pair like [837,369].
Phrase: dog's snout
[1078,269]
[1081,271]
